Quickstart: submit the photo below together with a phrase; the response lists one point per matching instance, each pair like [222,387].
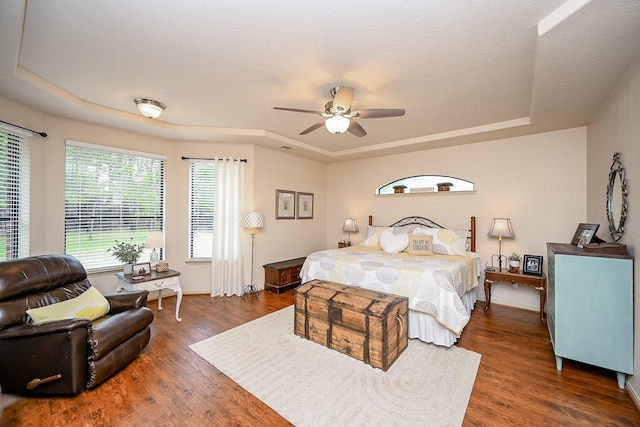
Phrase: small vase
[514,266]
[128,269]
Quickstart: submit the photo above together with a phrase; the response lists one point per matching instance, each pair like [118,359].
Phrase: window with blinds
[202,175]
[14,194]
[110,195]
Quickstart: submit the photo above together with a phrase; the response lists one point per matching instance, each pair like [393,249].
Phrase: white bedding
[434,284]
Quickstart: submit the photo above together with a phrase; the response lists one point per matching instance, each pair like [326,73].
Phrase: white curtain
[226,255]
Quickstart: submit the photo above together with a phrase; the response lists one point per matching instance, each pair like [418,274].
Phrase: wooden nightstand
[343,245]
[283,275]
[538,282]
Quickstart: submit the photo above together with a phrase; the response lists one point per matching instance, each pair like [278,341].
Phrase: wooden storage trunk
[368,325]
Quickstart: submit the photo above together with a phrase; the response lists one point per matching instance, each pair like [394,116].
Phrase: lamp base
[251,290]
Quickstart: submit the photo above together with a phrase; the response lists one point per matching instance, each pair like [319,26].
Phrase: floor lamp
[500,227]
[252,220]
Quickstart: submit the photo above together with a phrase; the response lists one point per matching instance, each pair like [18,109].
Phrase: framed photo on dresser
[584,233]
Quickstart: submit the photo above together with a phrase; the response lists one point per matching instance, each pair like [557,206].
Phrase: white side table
[153,282]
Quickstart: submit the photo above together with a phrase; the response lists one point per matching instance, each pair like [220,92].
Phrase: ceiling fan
[338,115]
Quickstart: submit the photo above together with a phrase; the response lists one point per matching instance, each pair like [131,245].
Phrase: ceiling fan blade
[298,110]
[342,99]
[376,113]
[312,128]
[356,129]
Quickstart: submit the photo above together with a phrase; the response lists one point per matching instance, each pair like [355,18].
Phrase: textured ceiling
[465,71]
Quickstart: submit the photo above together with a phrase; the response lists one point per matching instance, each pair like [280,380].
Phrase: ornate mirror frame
[617,198]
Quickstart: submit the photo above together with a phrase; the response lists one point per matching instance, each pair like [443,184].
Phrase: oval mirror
[617,198]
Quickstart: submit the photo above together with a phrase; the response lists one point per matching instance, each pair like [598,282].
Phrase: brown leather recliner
[63,356]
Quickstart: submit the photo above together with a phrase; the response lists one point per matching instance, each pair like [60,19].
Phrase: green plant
[126,252]
[514,257]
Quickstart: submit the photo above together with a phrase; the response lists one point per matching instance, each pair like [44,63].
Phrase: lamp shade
[501,227]
[350,225]
[337,124]
[253,220]
[149,108]
[155,239]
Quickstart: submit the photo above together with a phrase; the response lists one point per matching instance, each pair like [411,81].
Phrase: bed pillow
[373,236]
[393,242]
[88,305]
[446,241]
[420,245]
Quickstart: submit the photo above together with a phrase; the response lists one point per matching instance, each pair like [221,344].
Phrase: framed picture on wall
[305,205]
[285,204]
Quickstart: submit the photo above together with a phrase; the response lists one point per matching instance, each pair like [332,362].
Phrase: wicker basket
[162,266]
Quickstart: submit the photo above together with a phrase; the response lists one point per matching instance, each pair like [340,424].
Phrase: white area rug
[311,385]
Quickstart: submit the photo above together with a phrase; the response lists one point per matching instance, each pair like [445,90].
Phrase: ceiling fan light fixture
[149,108]
[337,124]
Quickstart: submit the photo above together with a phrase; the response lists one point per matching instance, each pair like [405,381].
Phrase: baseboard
[632,393]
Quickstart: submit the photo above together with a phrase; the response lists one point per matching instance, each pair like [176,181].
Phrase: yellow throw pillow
[90,304]
[420,245]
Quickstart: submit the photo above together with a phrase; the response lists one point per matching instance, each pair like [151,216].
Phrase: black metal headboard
[416,220]
[420,220]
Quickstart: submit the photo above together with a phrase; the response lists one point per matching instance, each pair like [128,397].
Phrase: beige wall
[275,169]
[616,128]
[517,177]
[539,181]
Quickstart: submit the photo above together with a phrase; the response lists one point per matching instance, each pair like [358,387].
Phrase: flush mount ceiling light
[149,108]
[337,124]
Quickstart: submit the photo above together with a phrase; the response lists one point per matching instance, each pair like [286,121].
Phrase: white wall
[539,181]
[616,128]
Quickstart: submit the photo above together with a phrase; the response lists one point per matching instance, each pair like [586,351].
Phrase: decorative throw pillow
[393,243]
[420,245]
[90,304]
[373,236]
[446,241]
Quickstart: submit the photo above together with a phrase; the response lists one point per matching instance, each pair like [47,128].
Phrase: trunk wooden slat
[367,325]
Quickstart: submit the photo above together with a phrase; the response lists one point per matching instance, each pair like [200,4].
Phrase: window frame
[129,218]
[205,198]
[15,167]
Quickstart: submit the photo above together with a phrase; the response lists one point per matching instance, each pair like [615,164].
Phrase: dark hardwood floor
[169,385]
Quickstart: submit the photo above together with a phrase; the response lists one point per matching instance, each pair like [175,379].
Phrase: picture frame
[304,204]
[141,269]
[532,264]
[285,204]
[584,233]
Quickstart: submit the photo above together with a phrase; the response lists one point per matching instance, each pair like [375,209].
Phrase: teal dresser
[590,308]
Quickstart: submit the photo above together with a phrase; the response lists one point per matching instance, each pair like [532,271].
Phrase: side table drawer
[152,285]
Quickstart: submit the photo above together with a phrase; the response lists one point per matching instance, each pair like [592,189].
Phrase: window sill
[430,193]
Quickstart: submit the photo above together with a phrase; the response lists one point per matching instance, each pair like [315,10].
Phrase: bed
[435,267]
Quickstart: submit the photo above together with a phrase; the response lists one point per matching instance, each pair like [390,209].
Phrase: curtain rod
[206,158]
[42,134]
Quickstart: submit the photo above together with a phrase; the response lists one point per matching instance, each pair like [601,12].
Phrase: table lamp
[500,227]
[350,226]
[155,239]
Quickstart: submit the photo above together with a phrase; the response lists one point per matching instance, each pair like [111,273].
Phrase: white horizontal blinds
[14,194]
[202,180]
[110,195]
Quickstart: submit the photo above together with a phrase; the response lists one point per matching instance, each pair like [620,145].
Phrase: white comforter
[434,283]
